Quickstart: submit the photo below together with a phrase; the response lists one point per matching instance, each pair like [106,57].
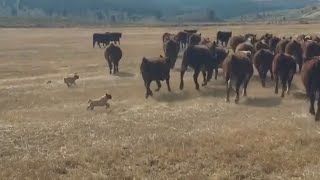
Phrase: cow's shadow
[124,74]
[262,101]
[299,95]
[174,96]
[185,95]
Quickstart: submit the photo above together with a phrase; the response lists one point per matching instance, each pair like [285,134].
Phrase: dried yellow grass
[47,133]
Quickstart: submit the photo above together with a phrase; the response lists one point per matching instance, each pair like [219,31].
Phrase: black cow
[100,38]
[223,37]
[114,37]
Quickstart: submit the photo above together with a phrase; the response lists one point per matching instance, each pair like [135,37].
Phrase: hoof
[227,100]
[312,111]
[157,90]
[236,101]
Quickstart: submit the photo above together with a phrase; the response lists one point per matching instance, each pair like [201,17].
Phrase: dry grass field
[47,133]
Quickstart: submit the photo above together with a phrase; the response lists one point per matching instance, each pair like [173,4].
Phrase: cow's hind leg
[149,92]
[110,67]
[289,83]
[195,78]
[246,82]
[114,68]
[318,111]
[168,84]
[205,82]
[271,72]
[277,84]
[312,97]
[183,70]
[238,84]
[228,83]
[117,65]
[159,85]
[284,86]
[216,73]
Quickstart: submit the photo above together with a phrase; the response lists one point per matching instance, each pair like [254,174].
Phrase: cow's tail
[143,65]
[185,59]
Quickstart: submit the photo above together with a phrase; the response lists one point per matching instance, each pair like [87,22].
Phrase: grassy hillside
[310,13]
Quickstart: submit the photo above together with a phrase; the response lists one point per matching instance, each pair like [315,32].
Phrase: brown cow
[273,43]
[311,81]
[245,47]
[166,36]
[310,49]
[205,41]
[237,70]
[194,39]
[113,55]
[182,38]
[155,69]
[294,48]
[266,37]
[235,41]
[262,60]
[251,38]
[300,37]
[200,58]
[315,38]
[222,53]
[261,45]
[284,67]
[171,50]
[281,46]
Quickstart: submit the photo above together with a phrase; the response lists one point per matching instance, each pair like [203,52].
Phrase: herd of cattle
[268,53]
